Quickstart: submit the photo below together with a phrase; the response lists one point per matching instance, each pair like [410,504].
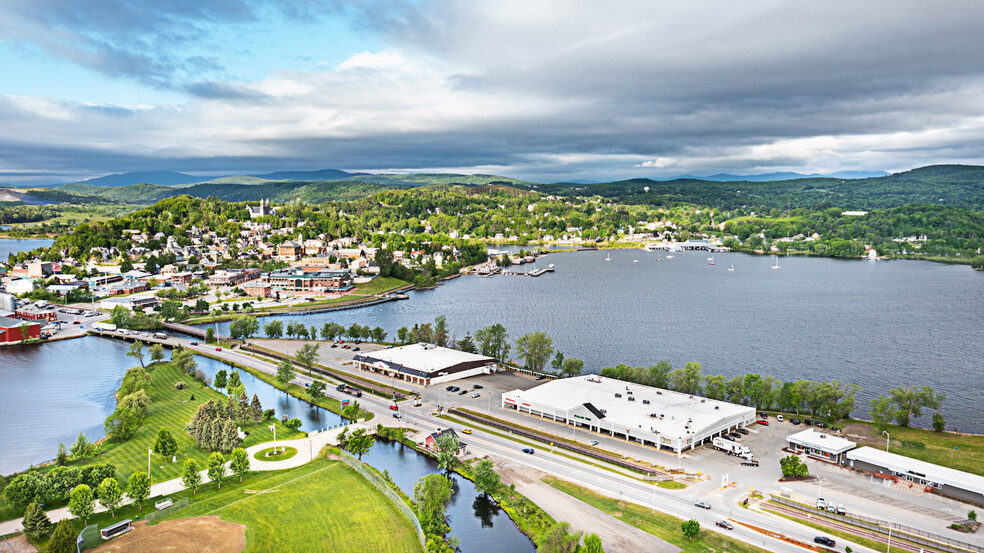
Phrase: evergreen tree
[201,429]
[230,411]
[214,434]
[243,412]
[63,539]
[35,521]
[257,410]
[230,436]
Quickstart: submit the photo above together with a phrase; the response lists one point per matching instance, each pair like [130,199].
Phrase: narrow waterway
[478,522]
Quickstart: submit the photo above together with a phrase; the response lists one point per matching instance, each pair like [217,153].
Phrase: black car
[540,377]
[794,421]
[449,388]
[824,540]
[734,436]
[477,387]
[808,422]
[528,450]
[743,431]
[462,392]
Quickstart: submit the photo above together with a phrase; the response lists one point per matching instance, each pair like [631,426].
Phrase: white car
[779,418]
[593,442]
[476,394]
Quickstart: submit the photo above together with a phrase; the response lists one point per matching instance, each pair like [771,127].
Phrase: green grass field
[322,506]
[379,285]
[173,409]
[661,525]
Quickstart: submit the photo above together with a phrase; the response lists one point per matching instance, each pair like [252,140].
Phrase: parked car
[725,524]
[763,422]
[824,540]
[750,463]
[540,377]
[743,431]
[831,508]
[703,504]
[808,422]
[476,394]
[334,345]
[763,415]
[593,442]
[449,387]
[466,430]
[355,348]
[841,510]
[820,424]
[477,387]
[779,418]
[528,450]
[462,392]
[821,504]
[794,421]
[455,388]
[194,343]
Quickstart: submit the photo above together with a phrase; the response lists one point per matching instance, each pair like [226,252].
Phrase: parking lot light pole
[819,484]
[887,439]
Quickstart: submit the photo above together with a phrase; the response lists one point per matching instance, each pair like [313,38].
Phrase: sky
[540,90]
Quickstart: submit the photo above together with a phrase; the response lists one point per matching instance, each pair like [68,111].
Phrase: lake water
[53,391]
[14,245]
[876,324]
[480,524]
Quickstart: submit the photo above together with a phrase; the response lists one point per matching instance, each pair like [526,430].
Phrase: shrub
[180,386]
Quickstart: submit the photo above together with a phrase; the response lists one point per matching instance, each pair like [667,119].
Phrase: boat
[609,258]
[669,257]
[731,269]
[635,260]
[711,260]
[776,266]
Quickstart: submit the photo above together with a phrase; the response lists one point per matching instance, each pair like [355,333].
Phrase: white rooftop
[927,471]
[678,410]
[820,440]
[425,357]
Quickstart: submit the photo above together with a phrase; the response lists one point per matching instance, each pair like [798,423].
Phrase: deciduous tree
[535,349]
[136,352]
[285,373]
[138,488]
[691,528]
[110,495]
[80,503]
[191,477]
[216,468]
[240,463]
[487,480]
[165,445]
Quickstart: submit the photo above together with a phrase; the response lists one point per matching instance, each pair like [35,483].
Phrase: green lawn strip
[560,452]
[671,485]
[380,285]
[658,524]
[321,506]
[866,542]
[283,453]
[173,409]
[957,451]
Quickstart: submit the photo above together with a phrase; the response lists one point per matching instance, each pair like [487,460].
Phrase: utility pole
[887,439]
[150,452]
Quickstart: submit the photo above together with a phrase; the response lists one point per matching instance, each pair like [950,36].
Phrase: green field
[173,409]
[321,506]
[379,285]
[661,525]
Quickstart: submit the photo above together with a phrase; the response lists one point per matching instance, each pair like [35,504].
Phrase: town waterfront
[878,324]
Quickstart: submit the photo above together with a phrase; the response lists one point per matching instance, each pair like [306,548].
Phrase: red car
[394,407]
[763,422]
[218,349]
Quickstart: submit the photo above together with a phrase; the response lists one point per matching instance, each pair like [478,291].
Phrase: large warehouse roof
[426,358]
[652,409]
[922,469]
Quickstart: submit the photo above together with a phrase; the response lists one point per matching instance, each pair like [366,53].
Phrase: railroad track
[848,529]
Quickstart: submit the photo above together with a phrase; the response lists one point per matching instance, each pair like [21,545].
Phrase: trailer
[346,389]
[104,326]
[732,448]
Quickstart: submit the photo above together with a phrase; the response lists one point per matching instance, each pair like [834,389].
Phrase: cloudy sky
[548,91]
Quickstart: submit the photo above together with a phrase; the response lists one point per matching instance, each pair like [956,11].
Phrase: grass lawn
[661,525]
[283,453]
[957,451]
[379,285]
[322,506]
[173,409]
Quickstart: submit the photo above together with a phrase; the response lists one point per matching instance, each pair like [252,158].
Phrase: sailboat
[609,258]
[776,266]
[731,269]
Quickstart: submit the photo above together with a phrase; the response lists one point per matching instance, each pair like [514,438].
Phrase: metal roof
[921,469]
[820,440]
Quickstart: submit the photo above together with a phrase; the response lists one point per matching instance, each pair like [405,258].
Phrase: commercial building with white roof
[819,444]
[425,363]
[950,482]
[650,416]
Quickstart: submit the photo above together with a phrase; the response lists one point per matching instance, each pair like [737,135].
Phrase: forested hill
[955,185]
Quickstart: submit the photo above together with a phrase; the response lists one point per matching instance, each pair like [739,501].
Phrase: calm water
[12,245]
[71,385]
[477,521]
[876,324]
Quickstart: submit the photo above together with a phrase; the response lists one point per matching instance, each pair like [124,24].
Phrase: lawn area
[173,409]
[957,451]
[379,285]
[661,525]
[322,506]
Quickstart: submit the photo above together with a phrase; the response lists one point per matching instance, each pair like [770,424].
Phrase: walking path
[307,448]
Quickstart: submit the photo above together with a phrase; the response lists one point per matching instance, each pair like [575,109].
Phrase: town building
[129,302]
[39,269]
[233,277]
[19,286]
[944,480]
[425,364]
[11,331]
[643,414]
[31,313]
[257,289]
[819,444]
[290,250]
[299,280]
[261,210]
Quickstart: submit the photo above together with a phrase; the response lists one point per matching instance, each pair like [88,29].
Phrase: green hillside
[424,179]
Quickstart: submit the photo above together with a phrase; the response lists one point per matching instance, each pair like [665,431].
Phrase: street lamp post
[887,439]
[654,496]
[819,484]
[150,452]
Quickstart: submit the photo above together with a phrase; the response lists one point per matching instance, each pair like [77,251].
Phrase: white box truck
[732,448]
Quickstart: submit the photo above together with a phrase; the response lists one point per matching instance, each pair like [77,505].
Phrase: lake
[15,245]
[878,324]
[55,390]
